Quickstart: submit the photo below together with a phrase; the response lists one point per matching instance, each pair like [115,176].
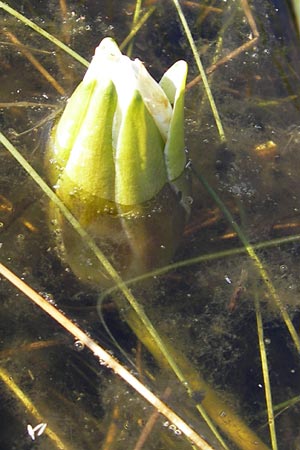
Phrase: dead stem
[239,288]
[65,27]
[27,105]
[32,346]
[44,72]
[205,12]
[63,8]
[231,55]
[207,8]
[150,423]
[112,430]
[138,358]
[191,5]
[39,51]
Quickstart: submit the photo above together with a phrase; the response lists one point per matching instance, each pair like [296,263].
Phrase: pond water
[231,286]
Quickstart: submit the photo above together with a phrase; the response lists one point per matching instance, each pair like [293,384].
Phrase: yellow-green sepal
[173,83]
[139,159]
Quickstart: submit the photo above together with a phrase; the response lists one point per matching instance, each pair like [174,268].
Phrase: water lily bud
[116,158]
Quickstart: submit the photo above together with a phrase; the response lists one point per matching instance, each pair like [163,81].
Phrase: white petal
[125,81]
[173,84]
[173,81]
[106,55]
[124,78]
[154,98]
[129,76]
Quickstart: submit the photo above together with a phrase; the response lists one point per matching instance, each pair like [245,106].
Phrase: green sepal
[173,83]
[89,173]
[139,160]
[65,131]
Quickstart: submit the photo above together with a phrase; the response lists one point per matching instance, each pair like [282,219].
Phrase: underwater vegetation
[153,225]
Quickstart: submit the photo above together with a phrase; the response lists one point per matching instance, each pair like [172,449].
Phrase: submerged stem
[135,28]
[265,371]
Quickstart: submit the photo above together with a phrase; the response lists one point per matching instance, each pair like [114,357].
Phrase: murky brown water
[204,305]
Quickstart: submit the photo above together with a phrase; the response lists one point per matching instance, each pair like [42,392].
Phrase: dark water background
[205,308]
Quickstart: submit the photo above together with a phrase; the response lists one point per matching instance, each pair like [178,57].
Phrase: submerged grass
[139,322]
[137,24]
[184,371]
[44,33]
[8,379]
[265,370]
[109,269]
[201,71]
[51,80]
[256,261]
[272,243]
[104,358]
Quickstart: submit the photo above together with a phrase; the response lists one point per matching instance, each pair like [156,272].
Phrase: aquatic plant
[207,317]
[116,158]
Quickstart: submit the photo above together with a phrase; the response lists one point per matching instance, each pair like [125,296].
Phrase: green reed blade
[265,370]
[201,70]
